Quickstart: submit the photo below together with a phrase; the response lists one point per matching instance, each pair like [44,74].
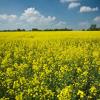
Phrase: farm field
[50,65]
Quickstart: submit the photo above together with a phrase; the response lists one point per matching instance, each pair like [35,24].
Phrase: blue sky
[76,14]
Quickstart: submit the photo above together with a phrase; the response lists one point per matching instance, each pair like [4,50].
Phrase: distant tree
[23,30]
[35,29]
[93,27]
[83,30]
[20,29]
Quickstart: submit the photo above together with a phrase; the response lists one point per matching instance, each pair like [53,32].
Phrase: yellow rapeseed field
[48,65]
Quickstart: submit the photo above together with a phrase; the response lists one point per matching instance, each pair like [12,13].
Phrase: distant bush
[93,27]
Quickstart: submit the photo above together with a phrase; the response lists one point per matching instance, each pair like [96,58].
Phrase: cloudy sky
[76,14]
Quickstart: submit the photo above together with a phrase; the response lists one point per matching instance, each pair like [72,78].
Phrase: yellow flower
[95,54]
[79,70]
[81,93]
[85,73]
[65,93]
[89,97]
[93,90]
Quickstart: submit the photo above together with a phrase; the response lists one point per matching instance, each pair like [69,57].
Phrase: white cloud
[30,18]
[8,17]
[32,15]
[87,9]
[63,1]
[73,5]
[97,19]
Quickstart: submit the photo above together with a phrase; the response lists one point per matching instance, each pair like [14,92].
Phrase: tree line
[93,27]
